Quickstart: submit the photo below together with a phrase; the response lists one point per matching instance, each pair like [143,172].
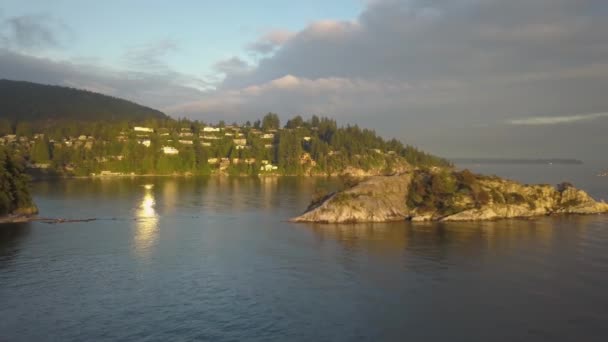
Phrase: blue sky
[204,32]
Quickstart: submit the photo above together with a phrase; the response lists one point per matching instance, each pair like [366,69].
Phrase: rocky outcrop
[441,195]
[20,215]
[379,199]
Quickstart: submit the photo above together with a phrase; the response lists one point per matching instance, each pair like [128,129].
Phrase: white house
[268,136]
[143,129]
[240,142]
[307,139]
[145,142]
[170,150]
[186,142]
[211,129]
[268,167]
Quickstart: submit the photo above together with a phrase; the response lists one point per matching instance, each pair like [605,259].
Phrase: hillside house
[240,142]
[170,150]
[143,129]
[145,142]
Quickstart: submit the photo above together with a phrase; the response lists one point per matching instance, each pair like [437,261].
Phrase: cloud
[231,66]
[270,41]
[556,120]
[150,57]
[33,31]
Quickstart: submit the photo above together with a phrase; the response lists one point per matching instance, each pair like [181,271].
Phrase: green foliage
[64,114]
[270,121]
[14,188]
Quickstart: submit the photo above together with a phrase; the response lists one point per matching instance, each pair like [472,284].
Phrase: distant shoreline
[502,161]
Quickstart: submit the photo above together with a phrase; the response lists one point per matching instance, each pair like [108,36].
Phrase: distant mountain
[26,101]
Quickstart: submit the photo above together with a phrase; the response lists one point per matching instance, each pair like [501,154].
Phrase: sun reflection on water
[146,232]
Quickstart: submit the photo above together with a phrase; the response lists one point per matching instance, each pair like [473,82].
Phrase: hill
[26,101]
[314,147]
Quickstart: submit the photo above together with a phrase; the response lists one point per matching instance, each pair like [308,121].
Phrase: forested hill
[26,101]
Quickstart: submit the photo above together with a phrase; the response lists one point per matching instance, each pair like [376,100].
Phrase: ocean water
[215,259]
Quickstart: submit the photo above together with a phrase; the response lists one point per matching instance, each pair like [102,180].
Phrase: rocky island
[440,194]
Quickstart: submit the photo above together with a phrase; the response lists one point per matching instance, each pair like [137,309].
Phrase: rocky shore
[447,195]
[20,215]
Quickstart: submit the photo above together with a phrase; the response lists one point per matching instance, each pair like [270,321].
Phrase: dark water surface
[216,260]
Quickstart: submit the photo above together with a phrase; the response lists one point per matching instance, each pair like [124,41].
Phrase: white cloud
[556,120]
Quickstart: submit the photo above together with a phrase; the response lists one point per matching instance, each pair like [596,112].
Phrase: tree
[271,121]
[41,152]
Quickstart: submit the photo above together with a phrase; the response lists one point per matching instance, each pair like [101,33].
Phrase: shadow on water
[12,236]
[438,239]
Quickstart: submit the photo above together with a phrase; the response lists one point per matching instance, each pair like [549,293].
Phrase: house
[212,161]
[186,142]
[206,144]
[268,146]
[170,150]
[240,142]
[242,147]
[210,137]
[145,142]
[229,134]
[211,129]
[268,167]
[143,129]
[268,136]
[249,161]
[265,162]
[82,138]
[185,134]
[307,139]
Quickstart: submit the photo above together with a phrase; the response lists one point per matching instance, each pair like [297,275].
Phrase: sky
[459,78]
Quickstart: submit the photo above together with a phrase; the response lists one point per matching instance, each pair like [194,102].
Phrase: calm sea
[216,260]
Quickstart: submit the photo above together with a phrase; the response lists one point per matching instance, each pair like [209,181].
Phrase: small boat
[603,174]
[148,186]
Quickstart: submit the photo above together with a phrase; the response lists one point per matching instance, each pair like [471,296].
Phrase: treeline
[25,101]
[14,189]
[314,146]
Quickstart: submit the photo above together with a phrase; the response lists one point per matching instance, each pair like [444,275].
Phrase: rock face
[476,198]
[379,199]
